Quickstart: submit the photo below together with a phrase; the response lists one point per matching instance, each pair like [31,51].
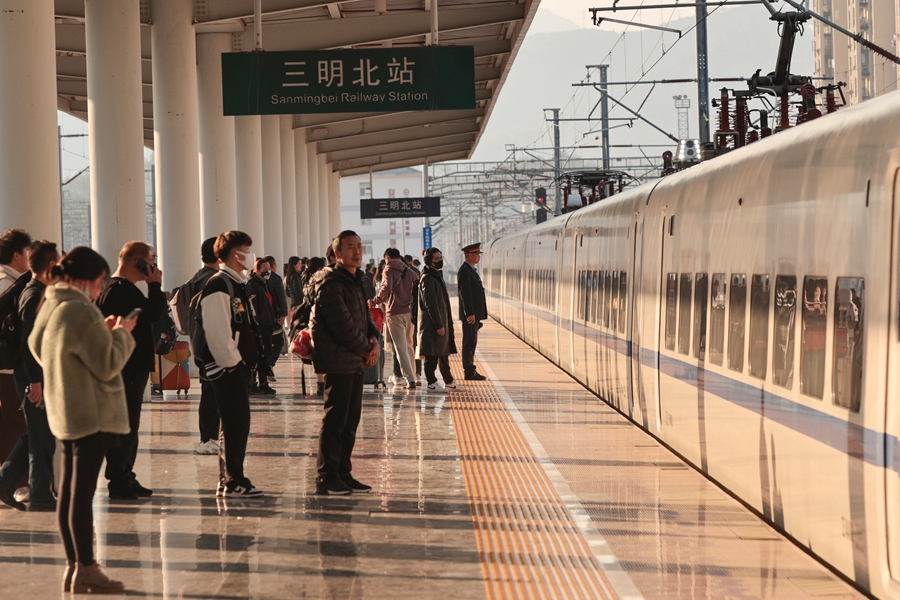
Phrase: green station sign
[334,81]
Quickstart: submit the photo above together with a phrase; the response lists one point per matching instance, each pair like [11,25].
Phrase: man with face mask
[436,340]
[263,302]
[232,349]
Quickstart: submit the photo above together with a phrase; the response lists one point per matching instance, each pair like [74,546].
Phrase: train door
[567,242]
[637,408]
[579,326]
[892,413]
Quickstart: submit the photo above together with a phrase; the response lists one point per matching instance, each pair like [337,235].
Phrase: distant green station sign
[334,81]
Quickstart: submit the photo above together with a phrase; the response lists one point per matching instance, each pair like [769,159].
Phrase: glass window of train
[623,300]
[614,301]
[812,336]
[701,291]
[671,300]
[684,314]
[717,318]
[783,330]
[737,322]
[846,374]
[759,325]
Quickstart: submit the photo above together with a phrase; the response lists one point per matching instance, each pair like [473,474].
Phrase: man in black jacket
[136,263]
[472,308]
[209,414]
[344,343]
[261,298]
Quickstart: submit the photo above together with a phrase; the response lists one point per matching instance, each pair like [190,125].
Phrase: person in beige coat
[82,355]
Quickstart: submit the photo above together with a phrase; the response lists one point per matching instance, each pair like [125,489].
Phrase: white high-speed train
[746,311]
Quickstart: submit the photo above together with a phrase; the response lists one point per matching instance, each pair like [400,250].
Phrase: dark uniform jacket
[294,285]
[275,285]
[29,302]
[471,293]
[434,314]
[340,322]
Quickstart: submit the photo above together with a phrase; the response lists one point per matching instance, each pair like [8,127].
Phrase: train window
[812,336]
[846,375]
[701,292]
[671,305]
[783,331]
[717,318]
[608,296]
[737,321]
[623,299]
[614,303]
[684,315]
[759,325]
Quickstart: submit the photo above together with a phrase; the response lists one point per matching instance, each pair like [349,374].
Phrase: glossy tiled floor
[518,487]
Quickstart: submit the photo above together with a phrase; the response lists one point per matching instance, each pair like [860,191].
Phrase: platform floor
[524,486]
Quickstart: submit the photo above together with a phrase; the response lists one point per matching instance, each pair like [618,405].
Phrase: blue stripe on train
[852,439]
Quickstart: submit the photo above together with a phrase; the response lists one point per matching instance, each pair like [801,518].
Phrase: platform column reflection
[115,122]
[288,188]
[248,159]
[29,154]
[335,200]
[175,138]
[218,184]
[301,180]
[327,230]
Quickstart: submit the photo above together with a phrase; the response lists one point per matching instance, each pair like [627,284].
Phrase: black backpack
[164,334]
[10,331]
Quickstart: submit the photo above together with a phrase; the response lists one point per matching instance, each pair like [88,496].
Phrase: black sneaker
[267,390]
[475,377]
[140,490]
[332,487]
[122,494]
[356,486]
[245,490]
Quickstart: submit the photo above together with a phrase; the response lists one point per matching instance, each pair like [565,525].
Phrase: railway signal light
[540,196]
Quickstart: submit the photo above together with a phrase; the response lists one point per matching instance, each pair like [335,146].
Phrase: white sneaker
[22,494]
[398,380]
[454,387]
[208,447]
[435,388]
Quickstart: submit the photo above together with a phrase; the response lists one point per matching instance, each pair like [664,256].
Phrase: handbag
[302,344]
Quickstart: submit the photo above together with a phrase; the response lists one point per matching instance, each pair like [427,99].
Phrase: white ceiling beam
[397,121]
[406,163]
[70,39]
[76,67]
[382,149]
[371,161]
[337,33]
[396,136]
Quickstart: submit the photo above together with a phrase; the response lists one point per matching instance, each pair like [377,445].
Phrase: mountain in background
[554,53]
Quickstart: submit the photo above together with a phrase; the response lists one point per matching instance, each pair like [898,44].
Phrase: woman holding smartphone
[82,355]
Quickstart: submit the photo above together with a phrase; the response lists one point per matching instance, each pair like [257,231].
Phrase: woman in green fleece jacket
[82,355]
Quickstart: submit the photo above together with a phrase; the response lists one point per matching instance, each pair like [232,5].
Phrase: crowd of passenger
[79,342]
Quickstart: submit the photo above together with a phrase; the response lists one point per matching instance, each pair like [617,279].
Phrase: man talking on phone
[137,262]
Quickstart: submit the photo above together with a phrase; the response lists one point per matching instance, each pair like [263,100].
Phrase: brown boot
[67,576]
[92,580]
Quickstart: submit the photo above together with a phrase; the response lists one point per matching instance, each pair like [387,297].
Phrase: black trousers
[232,392]
[120,459]
[209,413]
[433,362]
[81,462]
[337,436]
[470,341]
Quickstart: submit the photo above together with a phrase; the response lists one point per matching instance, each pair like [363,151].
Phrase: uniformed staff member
[472,308]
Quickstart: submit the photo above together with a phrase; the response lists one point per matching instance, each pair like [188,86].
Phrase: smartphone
[143,266]
[132,314]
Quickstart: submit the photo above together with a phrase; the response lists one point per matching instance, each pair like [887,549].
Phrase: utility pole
[702,72]
[556,161]
[604,116]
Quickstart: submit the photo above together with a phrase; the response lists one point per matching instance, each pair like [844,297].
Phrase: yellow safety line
[528,545]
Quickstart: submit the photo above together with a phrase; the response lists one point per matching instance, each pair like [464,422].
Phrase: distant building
[866,74]
[379,234]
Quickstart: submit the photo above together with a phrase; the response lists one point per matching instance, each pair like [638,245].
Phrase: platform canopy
[352,142]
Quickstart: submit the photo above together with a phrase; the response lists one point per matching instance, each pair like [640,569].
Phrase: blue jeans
[32,454]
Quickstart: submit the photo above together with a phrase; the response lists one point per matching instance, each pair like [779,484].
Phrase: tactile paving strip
[528,544]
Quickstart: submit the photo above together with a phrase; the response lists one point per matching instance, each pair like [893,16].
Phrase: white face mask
[249,261]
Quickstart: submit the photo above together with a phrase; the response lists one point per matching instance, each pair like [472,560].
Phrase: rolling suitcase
[172,370]
[374,375]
